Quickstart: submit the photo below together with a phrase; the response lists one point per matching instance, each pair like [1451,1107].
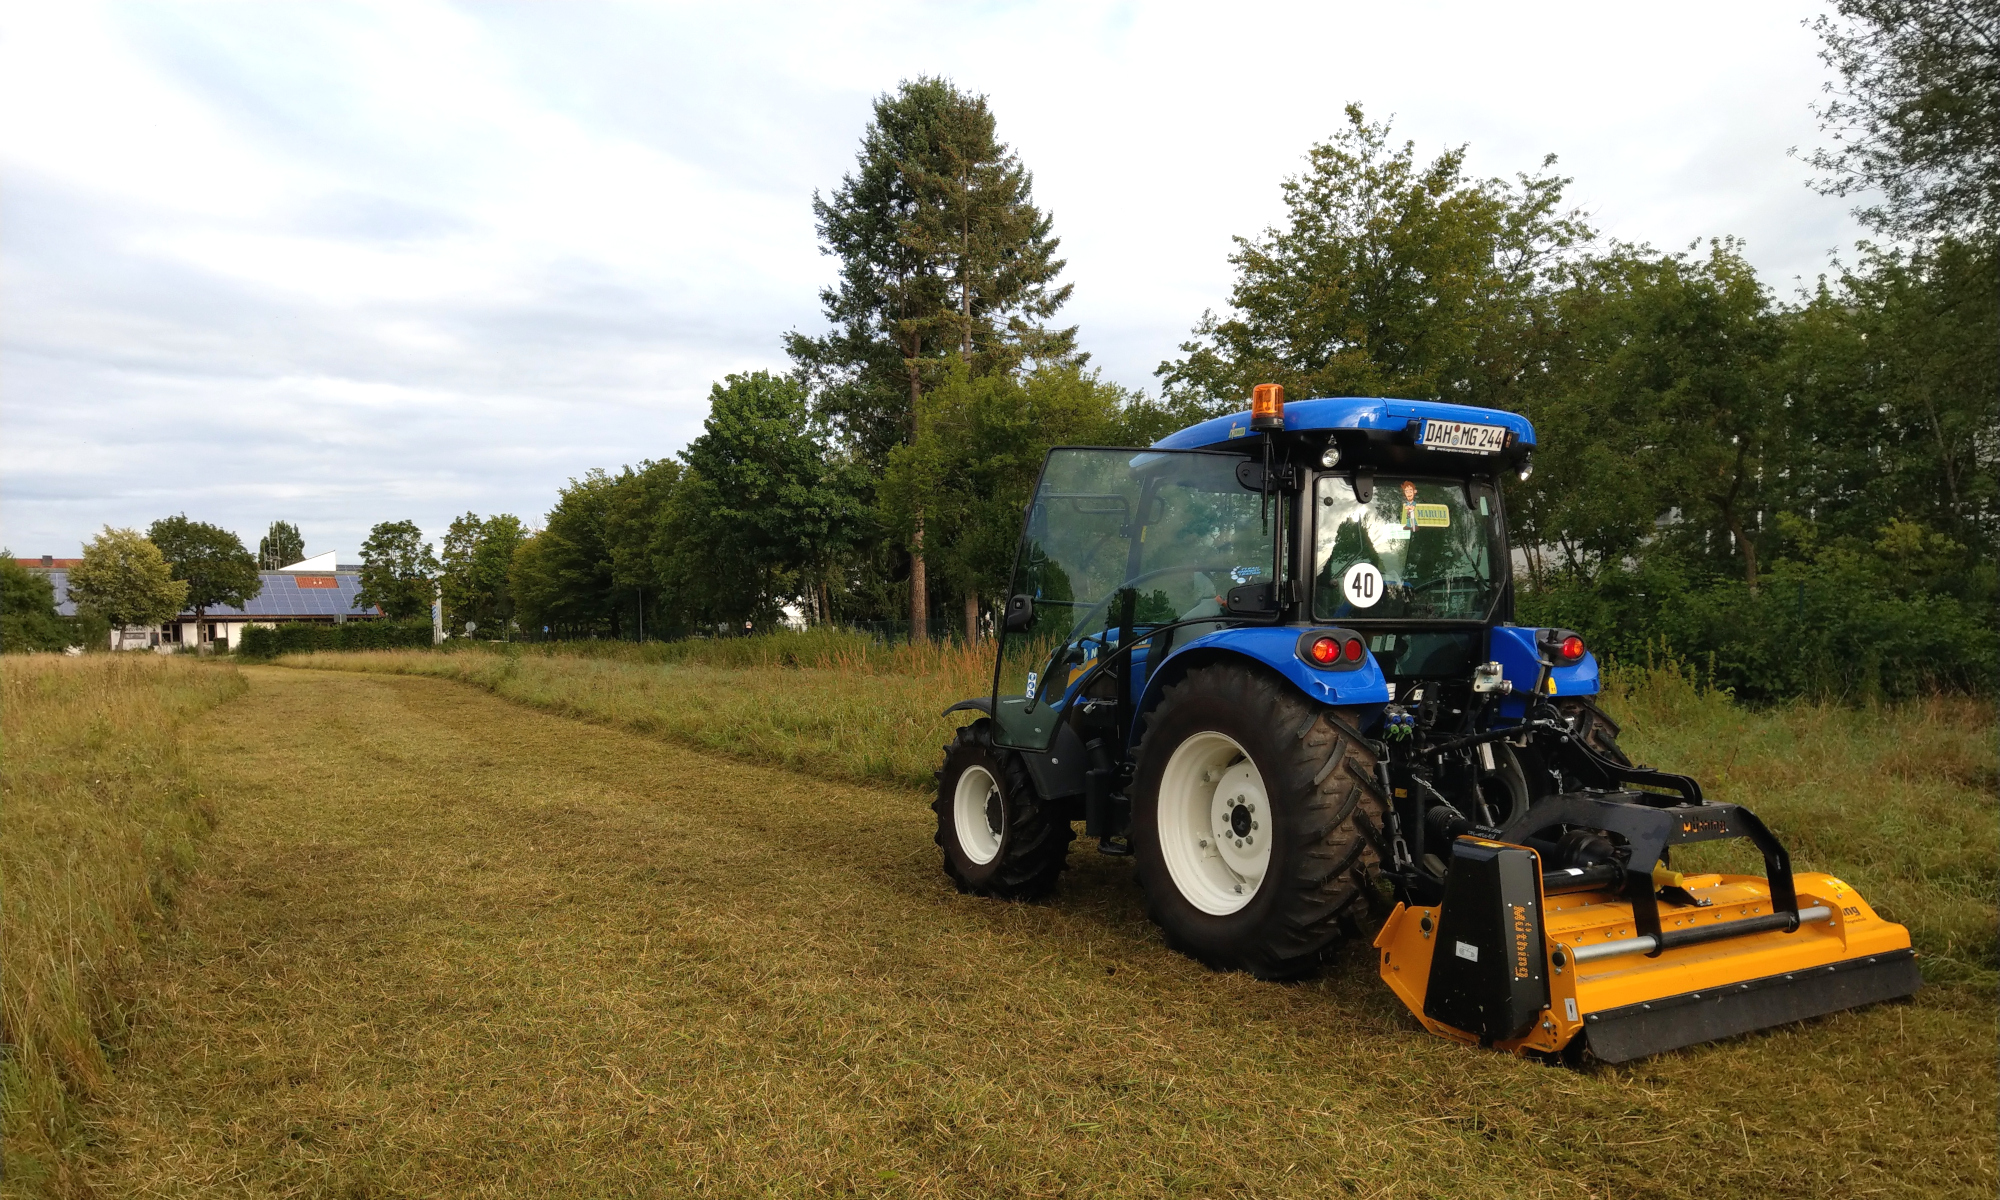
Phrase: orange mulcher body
[1627,964]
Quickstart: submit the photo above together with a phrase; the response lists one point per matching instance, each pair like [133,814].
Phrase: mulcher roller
[1623,957]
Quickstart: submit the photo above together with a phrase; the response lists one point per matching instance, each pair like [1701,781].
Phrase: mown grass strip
[102,817]
[1898,800]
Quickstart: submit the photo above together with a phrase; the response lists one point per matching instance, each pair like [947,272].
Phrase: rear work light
[1267,407]
[1333,649]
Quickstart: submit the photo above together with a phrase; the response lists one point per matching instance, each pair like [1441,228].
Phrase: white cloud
[347,263]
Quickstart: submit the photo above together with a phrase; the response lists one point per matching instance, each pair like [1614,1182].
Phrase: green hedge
[301,637]
[1829,630]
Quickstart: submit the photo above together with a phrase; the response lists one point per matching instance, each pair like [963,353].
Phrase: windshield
[1118,542]
[1416,548]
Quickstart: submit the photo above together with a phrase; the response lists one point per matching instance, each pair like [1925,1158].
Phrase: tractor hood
[1366,414]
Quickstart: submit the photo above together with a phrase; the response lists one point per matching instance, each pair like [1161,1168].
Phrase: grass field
[102,816]
[1899,800]
[442,943]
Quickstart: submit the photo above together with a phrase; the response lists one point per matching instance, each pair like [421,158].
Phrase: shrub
[269,641]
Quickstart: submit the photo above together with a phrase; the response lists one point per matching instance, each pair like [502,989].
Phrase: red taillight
[1355,650]
[1325,651]
[1572,648]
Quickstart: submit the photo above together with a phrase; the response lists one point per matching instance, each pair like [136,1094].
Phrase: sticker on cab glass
[1362,585]
[1426,516]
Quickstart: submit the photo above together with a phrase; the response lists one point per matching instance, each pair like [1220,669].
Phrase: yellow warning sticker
[1426,516]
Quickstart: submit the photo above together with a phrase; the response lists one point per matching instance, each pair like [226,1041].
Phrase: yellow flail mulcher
[1618,955]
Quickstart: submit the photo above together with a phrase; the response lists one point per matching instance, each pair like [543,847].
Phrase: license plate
[1464,438]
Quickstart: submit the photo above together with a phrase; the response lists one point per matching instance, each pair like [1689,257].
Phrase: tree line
[1796,492]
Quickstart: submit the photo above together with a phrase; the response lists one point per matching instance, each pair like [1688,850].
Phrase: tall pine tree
[944,256]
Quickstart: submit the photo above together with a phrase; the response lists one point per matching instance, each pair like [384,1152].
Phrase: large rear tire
[999,838]
[1255,819]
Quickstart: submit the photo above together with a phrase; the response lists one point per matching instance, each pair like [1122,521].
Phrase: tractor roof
[1348,412]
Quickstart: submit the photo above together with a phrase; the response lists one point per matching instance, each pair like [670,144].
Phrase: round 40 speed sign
[1362,585]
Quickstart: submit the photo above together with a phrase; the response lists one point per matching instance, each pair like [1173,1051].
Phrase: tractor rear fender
[1275,648]
[1513,647]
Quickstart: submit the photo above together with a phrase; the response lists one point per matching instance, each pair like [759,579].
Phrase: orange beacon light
[1267,407]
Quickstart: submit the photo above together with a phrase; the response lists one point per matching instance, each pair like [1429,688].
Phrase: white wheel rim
[1215,823]
[976,813]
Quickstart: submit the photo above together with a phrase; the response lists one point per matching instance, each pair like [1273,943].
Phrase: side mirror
[1020,614]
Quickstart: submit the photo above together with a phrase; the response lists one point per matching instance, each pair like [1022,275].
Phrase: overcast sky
[344,263]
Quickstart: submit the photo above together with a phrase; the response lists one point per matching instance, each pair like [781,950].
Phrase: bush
[269,641]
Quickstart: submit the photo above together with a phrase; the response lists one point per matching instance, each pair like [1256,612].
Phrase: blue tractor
[1273,659]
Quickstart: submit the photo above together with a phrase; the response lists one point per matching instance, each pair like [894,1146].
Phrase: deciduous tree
[398,570]
[763,514]
[562,574]
[28,619]
[1389,279]
[472,579]
[124,579]
[1915,114]
[212,560]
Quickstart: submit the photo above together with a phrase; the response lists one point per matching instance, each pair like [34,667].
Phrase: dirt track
[444,945]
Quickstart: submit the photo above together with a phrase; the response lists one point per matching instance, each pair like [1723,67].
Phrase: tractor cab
[1381,518]
[1273,659]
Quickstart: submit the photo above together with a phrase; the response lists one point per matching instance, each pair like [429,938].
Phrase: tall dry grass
[101,816]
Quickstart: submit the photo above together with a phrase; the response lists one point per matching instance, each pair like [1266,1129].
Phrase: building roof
[318,563]
[47,562]
[285,594]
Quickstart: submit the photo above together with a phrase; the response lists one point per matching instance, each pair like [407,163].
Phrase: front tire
[999,838]
[1255,820]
